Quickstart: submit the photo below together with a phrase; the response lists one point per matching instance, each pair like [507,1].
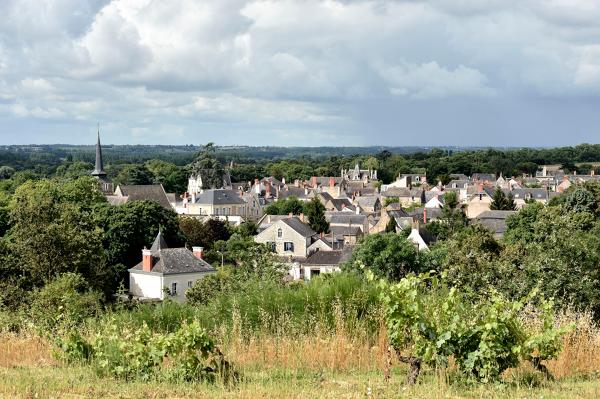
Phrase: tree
[581,200]
[248,229]
[6,172]
[502,202]
[285,206]
[387,255]
[452,219]
[204,234]
[52,235]
[315,211]
[130,227]
[133,174]
[391,225]
[171,176]
[208,167]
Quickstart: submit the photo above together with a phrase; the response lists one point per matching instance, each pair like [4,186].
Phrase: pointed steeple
[99,169]
[159,242]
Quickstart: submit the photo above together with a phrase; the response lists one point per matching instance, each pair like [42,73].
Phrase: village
[355,205]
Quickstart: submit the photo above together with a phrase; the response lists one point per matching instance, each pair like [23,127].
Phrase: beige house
[216,203]
[478,203]
[289,237]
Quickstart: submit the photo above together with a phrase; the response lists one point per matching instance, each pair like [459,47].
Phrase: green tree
[52,235]
[581,200]
[6,172]
[204,234]
[315,211]
[208,167]
[502,202]
[248,229]
[172,177]
[391,226]
[387,255]
[285,206]
[133,174]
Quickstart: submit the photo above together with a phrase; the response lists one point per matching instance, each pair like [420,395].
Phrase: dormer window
[279,233]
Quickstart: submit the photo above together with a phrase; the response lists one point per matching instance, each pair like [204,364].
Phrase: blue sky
[301,72]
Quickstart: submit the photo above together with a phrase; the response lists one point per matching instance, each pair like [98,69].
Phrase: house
[289,237]
[150,192]
[494,221]
[391,211]
[435,202]
[369,204]
[339,205]
[406,196]
[409,180]
[216,203]
[357,174]
[479,201]
[347,219]
[254,205]
[416,238]
[167,272]
[321,262]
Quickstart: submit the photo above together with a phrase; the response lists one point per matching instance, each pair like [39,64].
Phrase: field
[318,365]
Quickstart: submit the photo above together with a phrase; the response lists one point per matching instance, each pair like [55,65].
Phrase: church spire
[99,169]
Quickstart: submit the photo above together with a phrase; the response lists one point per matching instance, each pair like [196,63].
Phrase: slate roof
[159,243]
[368,201]
[341,203]
[220,197]
[329,257]
[401,192]
[176,261]
[298,192]
[345,218]
[432,213]
[345,230]
[494,220]
[150,192]
[301,228]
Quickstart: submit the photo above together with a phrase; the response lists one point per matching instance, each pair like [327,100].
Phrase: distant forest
[296,162]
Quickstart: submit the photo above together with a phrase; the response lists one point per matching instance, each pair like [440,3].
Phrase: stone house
[289,237]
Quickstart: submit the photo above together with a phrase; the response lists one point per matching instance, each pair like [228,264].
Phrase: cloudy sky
[301,72]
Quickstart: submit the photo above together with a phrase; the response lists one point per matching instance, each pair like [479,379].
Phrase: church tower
[105,185]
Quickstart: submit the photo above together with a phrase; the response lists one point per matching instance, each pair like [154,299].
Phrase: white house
[167,272]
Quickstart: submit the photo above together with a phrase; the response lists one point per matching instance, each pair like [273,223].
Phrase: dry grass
[24,350]
[345,362]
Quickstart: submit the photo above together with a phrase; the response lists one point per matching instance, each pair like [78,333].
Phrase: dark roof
[301,228]
[219,197]
[401,192]
[298,192]
[176,261]
[150,192]
[159,243]
[345,230]
[329,257]
[494,220]
[345,218]
[495,214]
[341,203]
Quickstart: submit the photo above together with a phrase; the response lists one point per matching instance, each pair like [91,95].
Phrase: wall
[289,235]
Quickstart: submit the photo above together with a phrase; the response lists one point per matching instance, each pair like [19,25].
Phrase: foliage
[172,177]
[208,167]
[130,227]
[188,354]
[502,202]
[285,206]
[315,211]
[433,322]
[53,231]
[581,200]
[204,234]
[391,225]
[63,304]
[248,229]
[387,255]
[452,219]
[133,174]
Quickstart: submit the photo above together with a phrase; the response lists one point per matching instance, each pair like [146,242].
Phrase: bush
[433,322]
[139,353]
[63,304]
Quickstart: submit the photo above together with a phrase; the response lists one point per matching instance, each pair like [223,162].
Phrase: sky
[301,72]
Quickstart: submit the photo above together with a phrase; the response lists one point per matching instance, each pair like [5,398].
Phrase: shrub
[187,354]
[64,303]
[434,322]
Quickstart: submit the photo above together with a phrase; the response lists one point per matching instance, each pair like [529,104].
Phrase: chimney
[357,210]
[268,190]
[198,252]
[283,180]
[146,260]
[290,215]
[592,172]
[424,215]
[302,217]
[314,181]
[268,218]
[193,198]
[331,182]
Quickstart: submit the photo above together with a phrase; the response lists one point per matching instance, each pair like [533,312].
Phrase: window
[279,233]
[288,246]
[190,284]
[173,288]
